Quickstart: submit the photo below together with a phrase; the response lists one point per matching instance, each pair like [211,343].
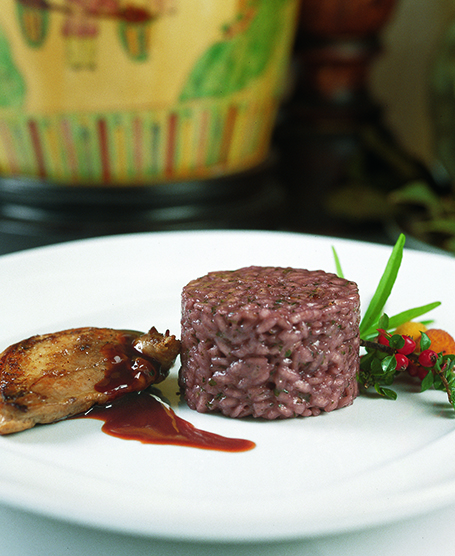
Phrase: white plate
[374,462]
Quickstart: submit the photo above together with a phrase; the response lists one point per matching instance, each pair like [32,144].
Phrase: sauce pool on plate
[141,416]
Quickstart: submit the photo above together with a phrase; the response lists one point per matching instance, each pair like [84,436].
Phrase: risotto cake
[269,342]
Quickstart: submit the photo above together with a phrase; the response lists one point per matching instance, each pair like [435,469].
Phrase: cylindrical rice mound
[269,342]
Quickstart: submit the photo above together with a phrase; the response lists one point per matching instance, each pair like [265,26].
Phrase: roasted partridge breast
[52,376]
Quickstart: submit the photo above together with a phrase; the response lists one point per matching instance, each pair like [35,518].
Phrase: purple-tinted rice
[269,342]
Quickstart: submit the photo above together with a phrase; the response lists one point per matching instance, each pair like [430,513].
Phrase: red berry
[382,339]
[422,372]
[413,369]
[409,346]
[402,362]
[428,358]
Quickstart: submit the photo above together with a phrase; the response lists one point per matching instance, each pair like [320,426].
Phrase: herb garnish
[386,355]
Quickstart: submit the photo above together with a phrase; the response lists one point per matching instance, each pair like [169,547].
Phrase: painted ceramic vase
[140,91]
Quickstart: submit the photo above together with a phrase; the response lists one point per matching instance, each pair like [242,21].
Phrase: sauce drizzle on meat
[127,368]
[139,415]
[50,377]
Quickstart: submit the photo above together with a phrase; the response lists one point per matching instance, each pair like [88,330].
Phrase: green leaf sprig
[375,310]
[384,288]
[380,365]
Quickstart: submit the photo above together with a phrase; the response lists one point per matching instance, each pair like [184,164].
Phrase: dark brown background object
[338,159]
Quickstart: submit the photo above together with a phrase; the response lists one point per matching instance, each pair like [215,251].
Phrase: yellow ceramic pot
[140,91]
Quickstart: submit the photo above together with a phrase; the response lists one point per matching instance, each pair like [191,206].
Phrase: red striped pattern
[171,145]
[193,142]
[104,151]
[37,148]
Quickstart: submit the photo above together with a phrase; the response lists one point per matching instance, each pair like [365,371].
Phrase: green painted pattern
[12,84]
[230,65]
[34,23]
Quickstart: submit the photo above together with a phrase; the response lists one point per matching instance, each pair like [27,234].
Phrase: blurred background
[332,117]
[401,75]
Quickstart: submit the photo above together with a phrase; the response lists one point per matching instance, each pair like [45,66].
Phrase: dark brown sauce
[140,416]
[134,414]
[128,370]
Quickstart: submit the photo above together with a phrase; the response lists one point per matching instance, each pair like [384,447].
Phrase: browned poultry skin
[52,376]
